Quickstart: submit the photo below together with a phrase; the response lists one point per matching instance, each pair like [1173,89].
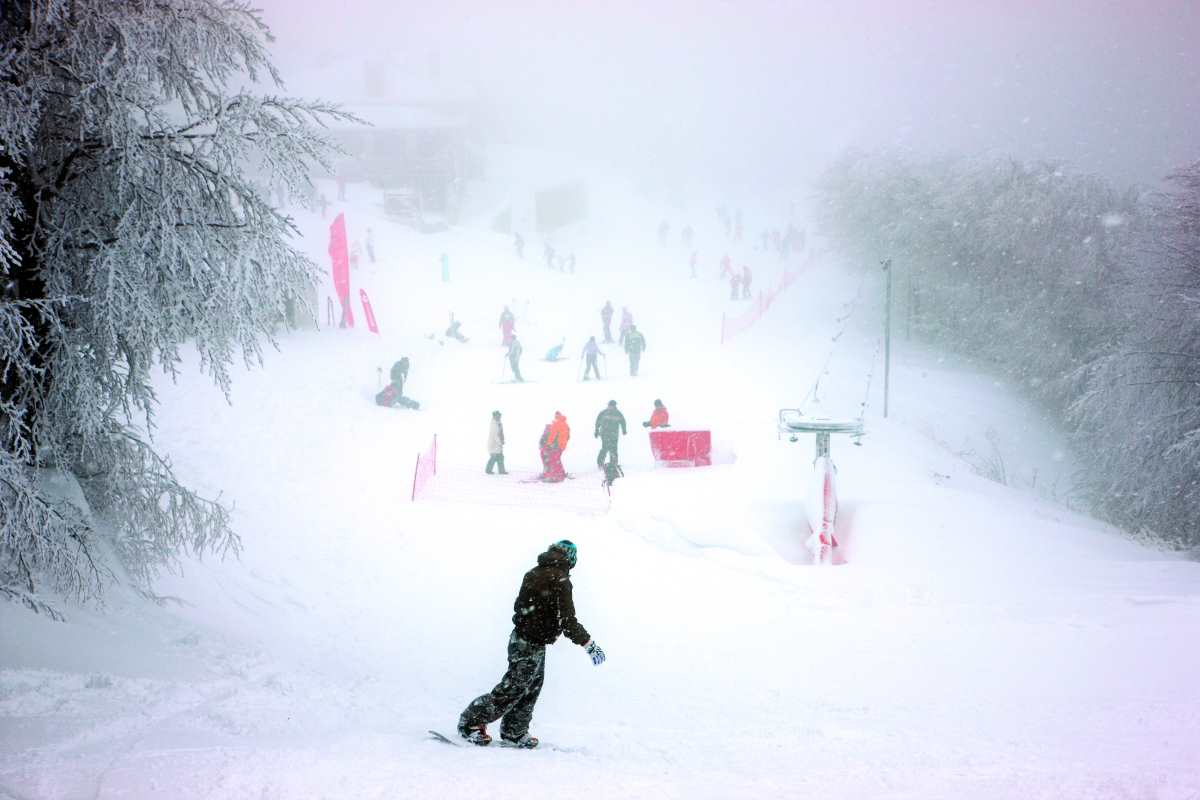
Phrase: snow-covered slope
[981,642]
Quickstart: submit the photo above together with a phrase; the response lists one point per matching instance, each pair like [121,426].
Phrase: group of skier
[610,425]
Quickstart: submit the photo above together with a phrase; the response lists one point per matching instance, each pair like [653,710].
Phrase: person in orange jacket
[659,418]
[554,442]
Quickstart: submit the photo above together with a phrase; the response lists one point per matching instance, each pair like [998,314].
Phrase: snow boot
[526,742]
[476,735]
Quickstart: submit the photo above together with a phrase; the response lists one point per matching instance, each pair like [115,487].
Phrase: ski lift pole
[887,336]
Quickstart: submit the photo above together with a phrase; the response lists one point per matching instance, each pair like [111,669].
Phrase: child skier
[659,418]
[553,443]
[544,610]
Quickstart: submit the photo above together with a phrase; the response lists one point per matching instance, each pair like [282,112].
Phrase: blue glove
[595,652]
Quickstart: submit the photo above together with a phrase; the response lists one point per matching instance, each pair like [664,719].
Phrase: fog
[771,91]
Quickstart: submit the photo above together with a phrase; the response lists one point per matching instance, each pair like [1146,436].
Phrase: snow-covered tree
[134,142]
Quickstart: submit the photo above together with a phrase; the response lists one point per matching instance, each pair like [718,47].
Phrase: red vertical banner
[339,254]
[367,312]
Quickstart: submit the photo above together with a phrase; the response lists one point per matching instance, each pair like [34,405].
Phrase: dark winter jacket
[400,374]
[544,608]
[609,422]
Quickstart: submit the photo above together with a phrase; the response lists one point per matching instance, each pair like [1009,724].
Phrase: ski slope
[982,641]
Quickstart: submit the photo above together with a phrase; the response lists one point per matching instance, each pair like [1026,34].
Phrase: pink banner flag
[340,256]
[367,312]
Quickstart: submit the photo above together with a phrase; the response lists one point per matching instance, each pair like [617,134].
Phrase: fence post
[416,472]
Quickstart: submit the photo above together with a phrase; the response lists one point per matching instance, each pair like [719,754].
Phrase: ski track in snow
[982,642]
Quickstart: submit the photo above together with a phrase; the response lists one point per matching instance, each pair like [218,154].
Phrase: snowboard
[435,736]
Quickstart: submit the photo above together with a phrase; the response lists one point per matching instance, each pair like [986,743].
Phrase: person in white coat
[496,446]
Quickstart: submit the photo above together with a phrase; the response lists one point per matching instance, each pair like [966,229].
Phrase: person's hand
[593,650]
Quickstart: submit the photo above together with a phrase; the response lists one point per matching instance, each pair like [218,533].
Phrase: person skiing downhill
[609,423]
[495,445]
[635,345]
[591,351]
[507,323]
[543,611]
[514,359]
[606,315]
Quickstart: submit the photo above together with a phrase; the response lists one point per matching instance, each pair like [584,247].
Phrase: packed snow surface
[981,641]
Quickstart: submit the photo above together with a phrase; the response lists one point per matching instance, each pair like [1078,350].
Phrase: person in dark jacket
[635,345]
[609,424]
[544,610]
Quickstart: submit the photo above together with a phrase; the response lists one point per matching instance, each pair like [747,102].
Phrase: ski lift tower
[822,540]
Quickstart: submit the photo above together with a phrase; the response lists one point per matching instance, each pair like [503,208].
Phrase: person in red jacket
[553,443]
[659,418]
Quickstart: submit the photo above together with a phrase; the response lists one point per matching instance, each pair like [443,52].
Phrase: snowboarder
[454,331]
[606,315]
[591,351]
[635,345]
[519,246]
[507,323]
[552,444]
[746,277]
[399,374]
[514,359]
[626,323]
[555,352]
[495,445]
[659,418]
[609,423]
[544,610]
[370,245]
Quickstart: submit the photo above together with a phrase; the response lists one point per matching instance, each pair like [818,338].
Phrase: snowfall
[982,639]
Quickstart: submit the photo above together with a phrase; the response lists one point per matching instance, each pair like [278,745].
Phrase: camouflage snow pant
[513,699]
[608,447]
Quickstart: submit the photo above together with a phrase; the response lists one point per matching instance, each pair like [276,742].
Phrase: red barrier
[426,468]
[758,310]
[681,448]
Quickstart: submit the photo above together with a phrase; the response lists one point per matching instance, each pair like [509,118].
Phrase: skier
[746,277]
[609,423]
[664,228]
[734,281]
[635,345]
[726,267]
[553,443]
[590,352]
[659,418]
[687,236]
[606,315]
[544,610]
[495,445]
[519,246]
[626,323]
[370,245]
[548,252]
[507,322]
[454,332]
[554,352]
[514,359]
